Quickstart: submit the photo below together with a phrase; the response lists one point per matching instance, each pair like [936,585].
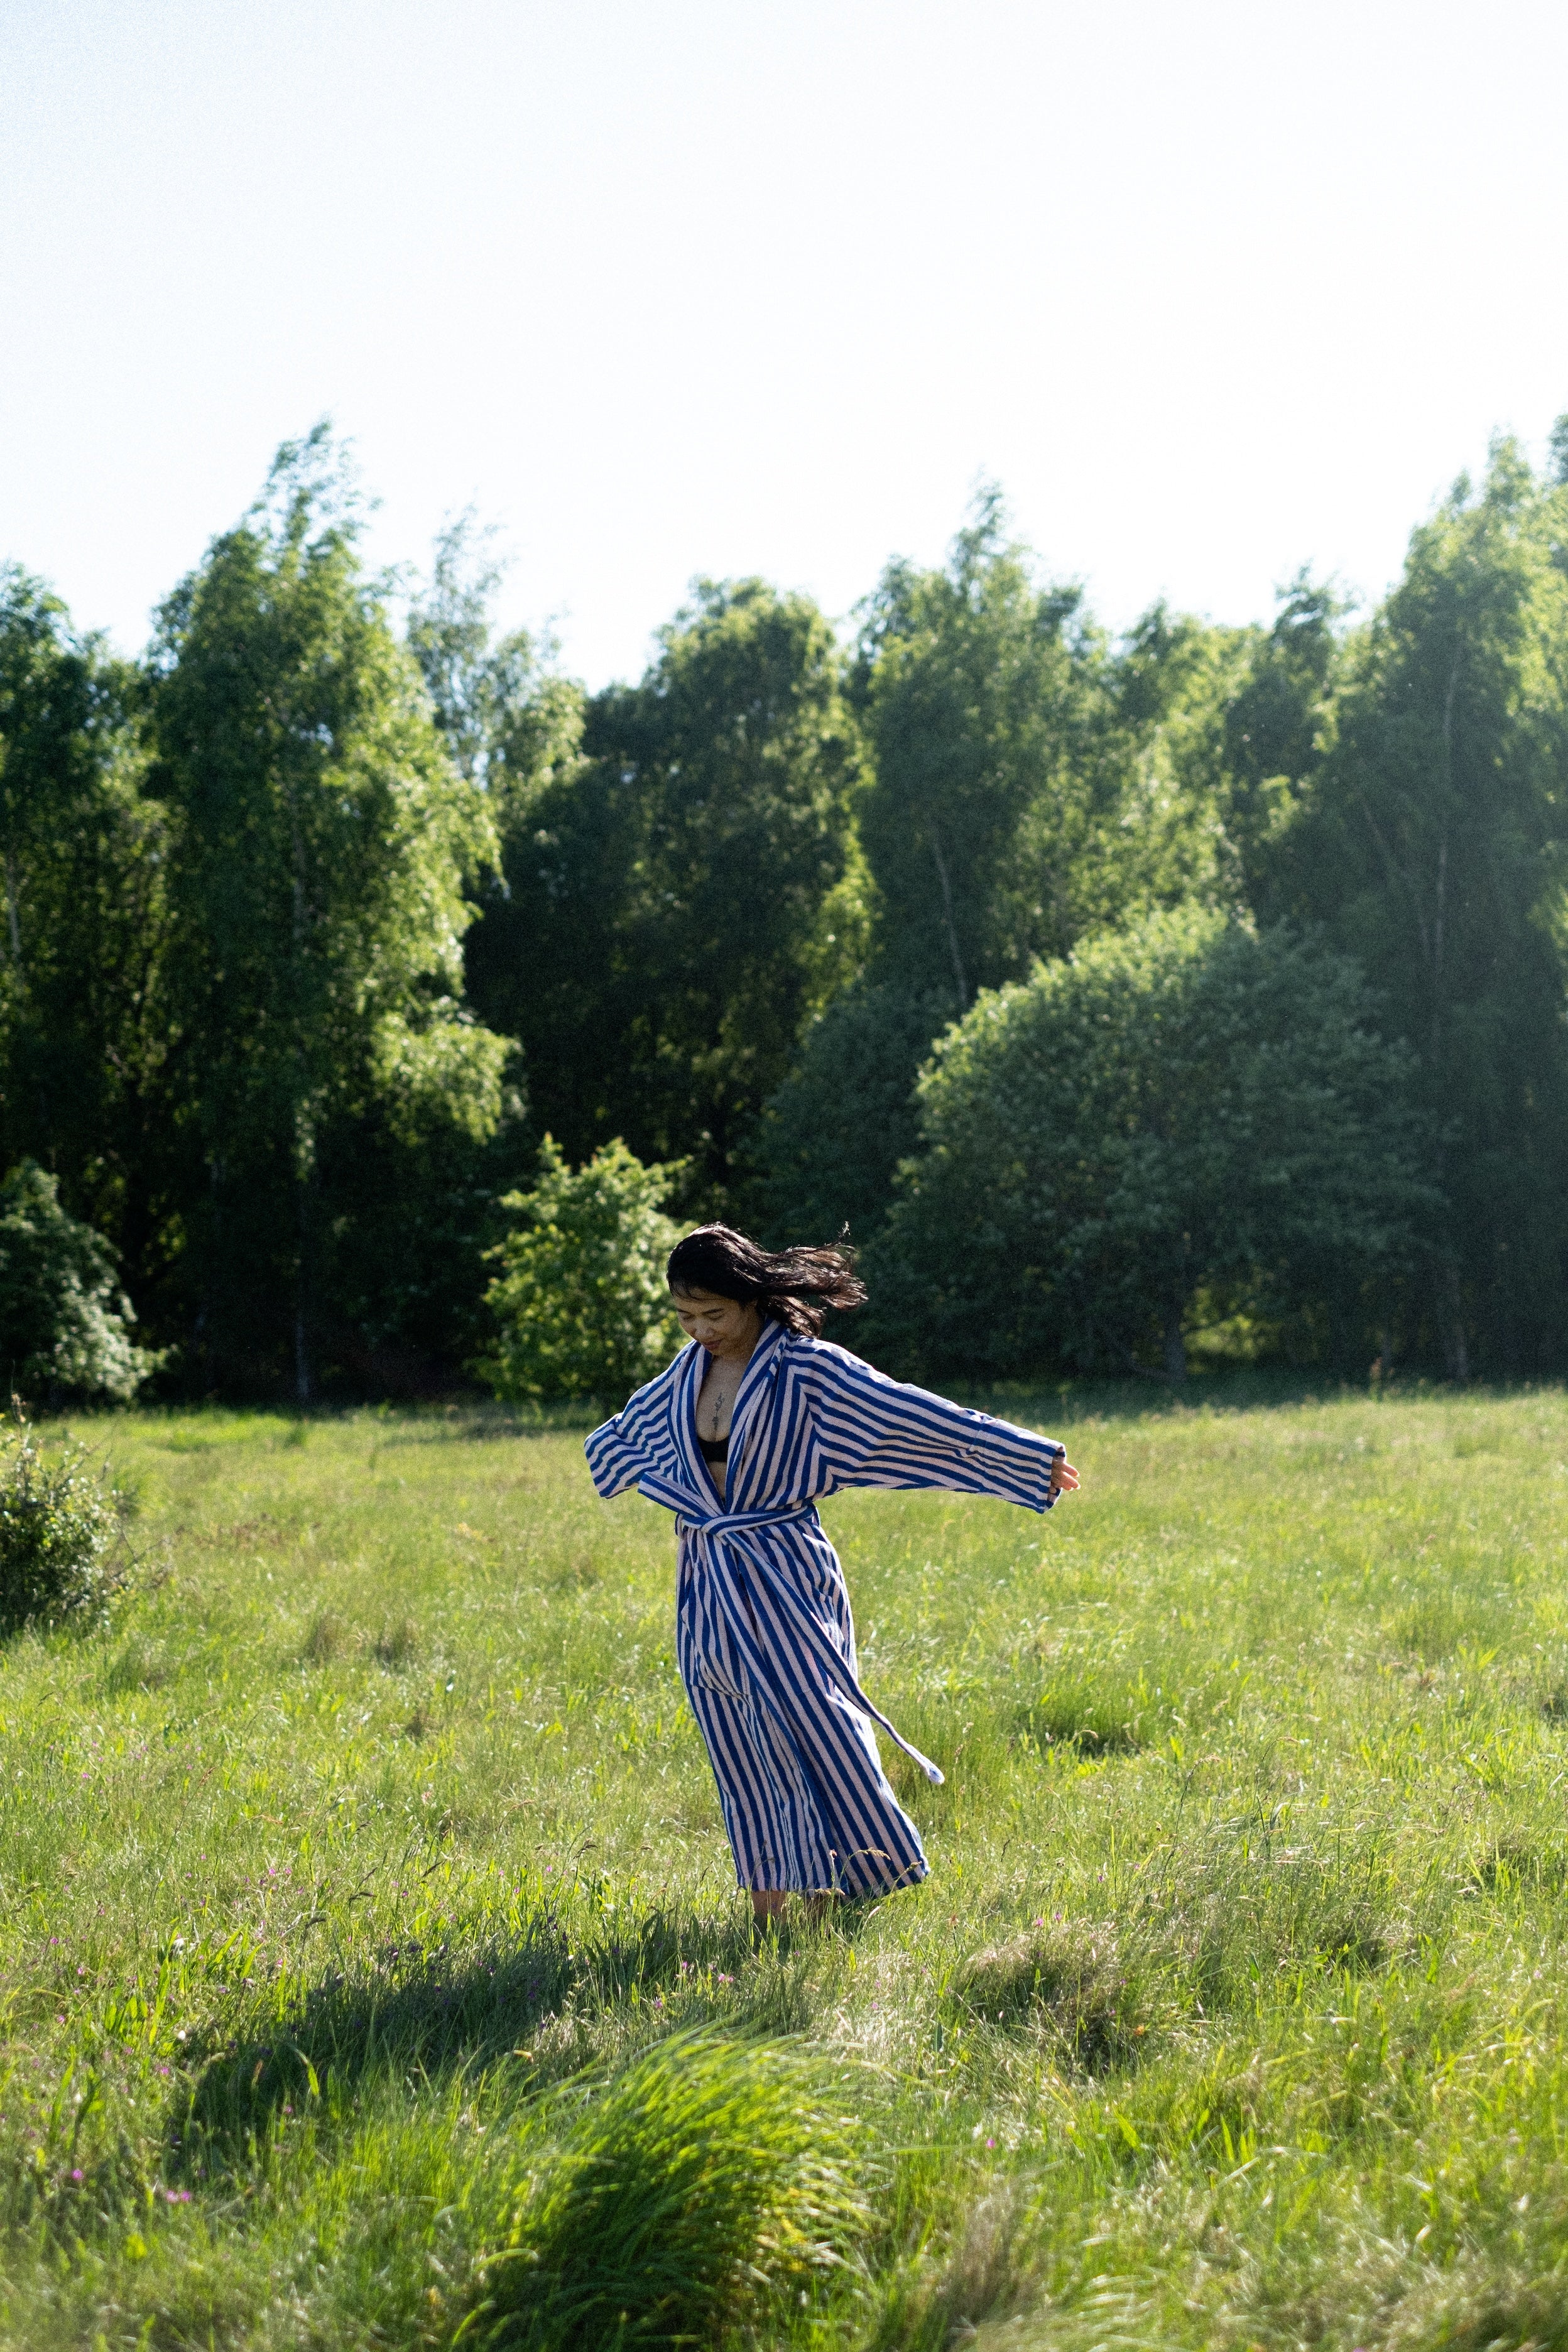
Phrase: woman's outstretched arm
[875,1431]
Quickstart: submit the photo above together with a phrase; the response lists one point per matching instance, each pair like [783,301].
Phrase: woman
[740,1438]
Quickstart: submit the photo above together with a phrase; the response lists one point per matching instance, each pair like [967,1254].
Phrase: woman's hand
[1064,1478]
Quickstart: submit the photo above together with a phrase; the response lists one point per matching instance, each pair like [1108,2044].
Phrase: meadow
[374,1975]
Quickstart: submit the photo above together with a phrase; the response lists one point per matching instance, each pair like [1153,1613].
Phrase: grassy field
[374,1973]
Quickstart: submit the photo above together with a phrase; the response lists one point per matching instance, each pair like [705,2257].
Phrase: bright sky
[1213,288]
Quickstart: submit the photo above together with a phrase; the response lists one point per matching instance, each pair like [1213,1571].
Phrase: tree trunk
[1450,1323]
[947,919]
[1382,1369]
[302,1292]
[1176,1346]
[304,1125]
[11,917]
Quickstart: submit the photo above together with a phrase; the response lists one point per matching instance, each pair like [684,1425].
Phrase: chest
[716,1396]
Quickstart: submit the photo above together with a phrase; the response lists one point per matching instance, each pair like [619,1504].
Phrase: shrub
[62,1552]
[64,1325]
[709,2174]
[1179,1123]
[582,1303]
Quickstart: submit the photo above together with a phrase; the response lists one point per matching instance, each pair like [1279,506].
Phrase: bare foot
[769,1905]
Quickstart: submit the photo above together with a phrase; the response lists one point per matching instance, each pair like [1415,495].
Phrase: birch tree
[321,838]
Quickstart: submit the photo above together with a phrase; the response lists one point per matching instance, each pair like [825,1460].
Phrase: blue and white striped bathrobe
[764,1634]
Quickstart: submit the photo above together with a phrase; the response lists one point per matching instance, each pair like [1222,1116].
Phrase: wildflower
[77,2173]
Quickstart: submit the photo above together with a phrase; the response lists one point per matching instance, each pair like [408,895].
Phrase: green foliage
[688,2191]
[85,1032]
[1557,453]
[61,1531]
[582,1302]
[506,719]
[684,898]
[1275,725]
[832,1137]
[64,1321]
[1027,785]
[1184,1108]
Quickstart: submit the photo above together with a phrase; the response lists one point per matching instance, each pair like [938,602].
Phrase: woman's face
[723,1326]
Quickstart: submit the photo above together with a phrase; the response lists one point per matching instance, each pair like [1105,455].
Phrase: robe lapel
[750,1400]
[693,1468]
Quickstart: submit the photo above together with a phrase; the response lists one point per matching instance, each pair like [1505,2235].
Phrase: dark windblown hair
[791,1286]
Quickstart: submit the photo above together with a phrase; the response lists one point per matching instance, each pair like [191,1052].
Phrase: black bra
[714,1449]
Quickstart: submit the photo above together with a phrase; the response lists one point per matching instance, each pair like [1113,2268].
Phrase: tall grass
[373,1972]
[687,2190]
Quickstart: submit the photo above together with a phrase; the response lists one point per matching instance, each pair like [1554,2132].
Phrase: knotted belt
[735,1527]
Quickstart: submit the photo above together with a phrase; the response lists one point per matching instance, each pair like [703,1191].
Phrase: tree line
[1202,985]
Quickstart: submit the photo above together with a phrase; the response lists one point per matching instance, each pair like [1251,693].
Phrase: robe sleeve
[613,1462]
[874,1432]
[628,1445]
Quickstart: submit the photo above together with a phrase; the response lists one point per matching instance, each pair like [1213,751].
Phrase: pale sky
[1213,288]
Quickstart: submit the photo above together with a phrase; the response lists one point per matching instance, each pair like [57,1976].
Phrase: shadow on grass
[1515,1866]
[1075,1714]
[423,2014]
[1077,1982]
[1242,1911]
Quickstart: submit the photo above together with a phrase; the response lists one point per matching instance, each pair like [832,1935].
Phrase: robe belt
[734,1526]
[728,1523]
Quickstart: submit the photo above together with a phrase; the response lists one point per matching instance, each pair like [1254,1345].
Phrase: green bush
[1180,1123]
[64,1323]
[62,1551]
[707,2175]
[581,1303]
